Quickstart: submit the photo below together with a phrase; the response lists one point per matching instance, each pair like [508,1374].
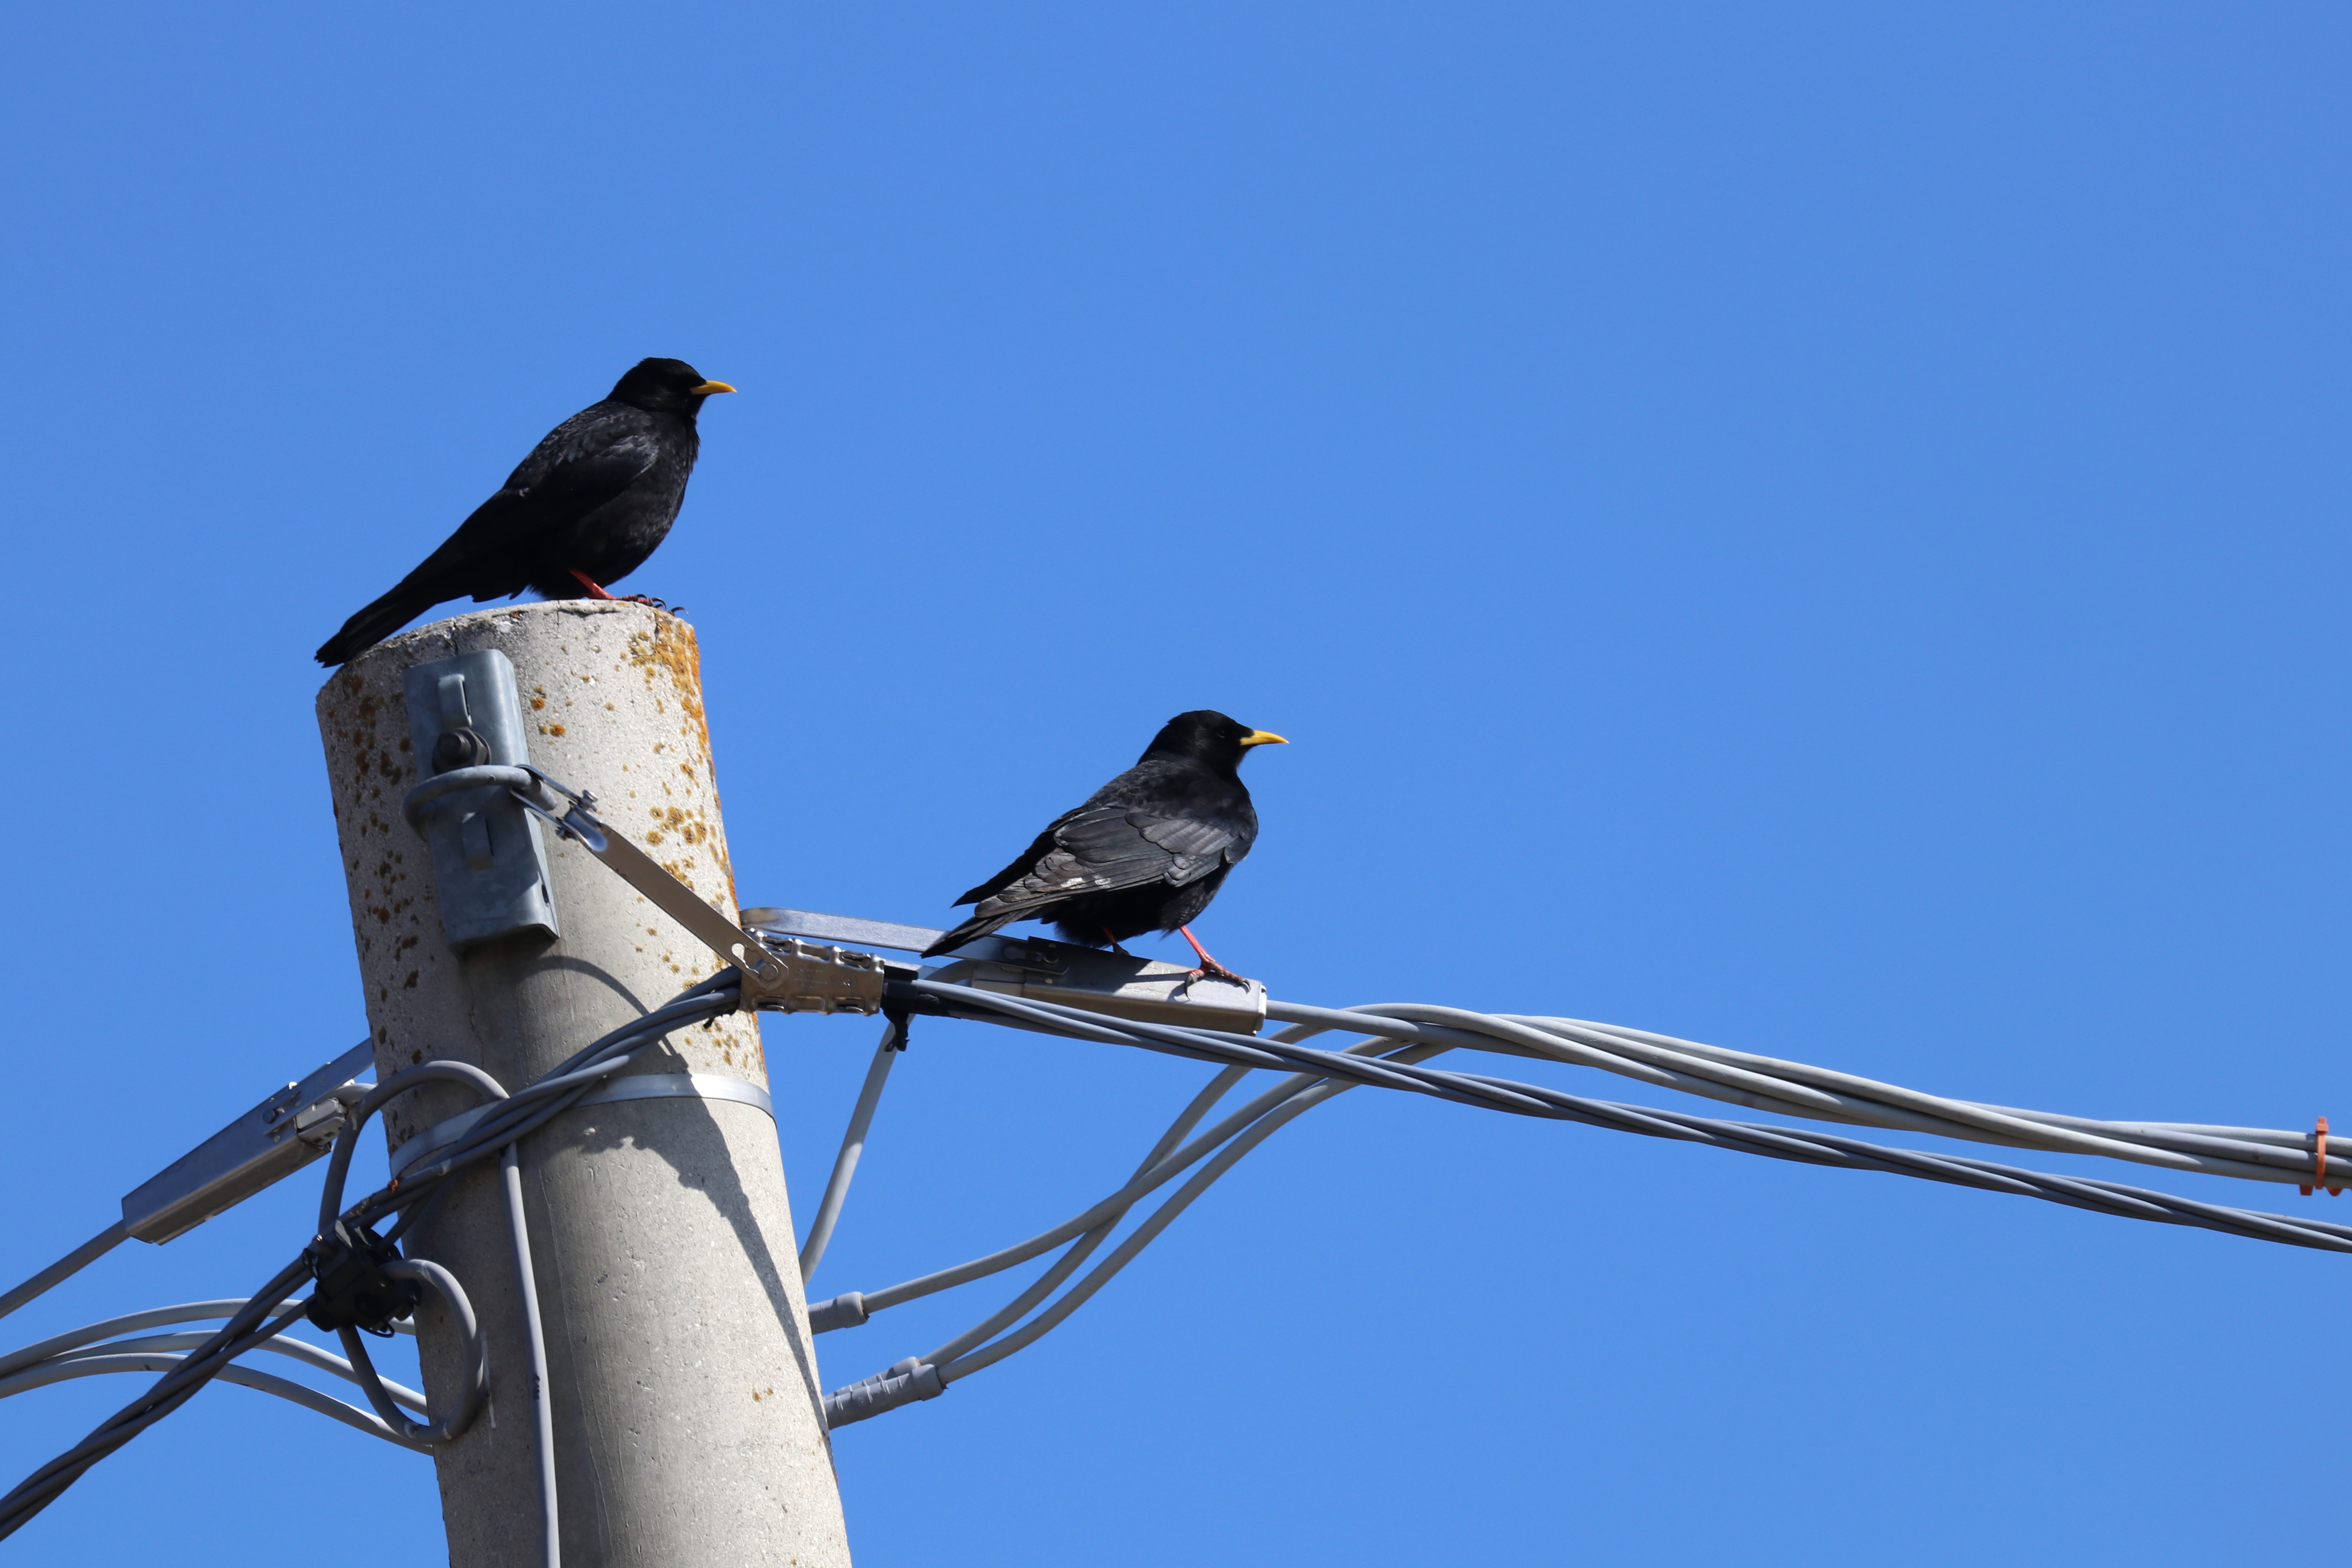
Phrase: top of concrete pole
[614,694]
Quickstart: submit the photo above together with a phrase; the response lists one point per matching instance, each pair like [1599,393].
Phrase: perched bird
[590,503]
[1145,852]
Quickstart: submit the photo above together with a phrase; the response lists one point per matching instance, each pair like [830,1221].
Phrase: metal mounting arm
[785,975]
[1116,983]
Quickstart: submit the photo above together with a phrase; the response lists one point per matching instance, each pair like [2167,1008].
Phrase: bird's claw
[651,603]
[1209,968]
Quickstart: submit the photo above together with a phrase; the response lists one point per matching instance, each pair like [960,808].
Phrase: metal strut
[779,974]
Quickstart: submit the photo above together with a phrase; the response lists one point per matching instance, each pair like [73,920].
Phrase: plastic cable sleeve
[863,1401]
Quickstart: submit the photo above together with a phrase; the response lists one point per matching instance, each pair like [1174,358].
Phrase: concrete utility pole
[688,1413]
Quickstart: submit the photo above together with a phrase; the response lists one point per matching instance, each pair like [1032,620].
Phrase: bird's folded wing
[1202,847]
[587,459]
[1103,848]
[578,468]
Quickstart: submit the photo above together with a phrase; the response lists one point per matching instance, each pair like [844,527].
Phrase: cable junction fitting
[903,1384]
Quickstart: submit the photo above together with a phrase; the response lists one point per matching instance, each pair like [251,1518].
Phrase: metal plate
[489,863]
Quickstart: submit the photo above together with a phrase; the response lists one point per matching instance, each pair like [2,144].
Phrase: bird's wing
[594,456]
[1102,848]
[1021,865]
[1200,848]
[578,466]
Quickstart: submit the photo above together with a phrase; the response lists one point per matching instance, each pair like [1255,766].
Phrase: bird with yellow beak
[594,500]
[1145,852]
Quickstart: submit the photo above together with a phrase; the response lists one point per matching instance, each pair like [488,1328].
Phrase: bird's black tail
[377,621]
[971,930]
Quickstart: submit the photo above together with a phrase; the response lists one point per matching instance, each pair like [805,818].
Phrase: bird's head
[665,386]
[1208,736]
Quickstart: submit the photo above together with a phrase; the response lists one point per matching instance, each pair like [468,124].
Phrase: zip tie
[2319,1165]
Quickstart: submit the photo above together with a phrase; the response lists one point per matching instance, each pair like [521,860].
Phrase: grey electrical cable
[476,1351]
[244,1330]
[1146,1232]
[2300,1143]
[66,1268]
[1161,1172]
[78,1354]
[952,1359]
[155,1316]
[1801,1144]
[1147,1177]
[853,1144]
[461,1309]
[511,1119]
[926,1377]
[1803,1091]
[551,1524]
[1791,1088]
[309,1354]
[339,1158]
[244,1377]
[473,1349]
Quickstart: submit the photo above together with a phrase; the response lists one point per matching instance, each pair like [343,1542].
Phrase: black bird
[595,498]
[1145,852]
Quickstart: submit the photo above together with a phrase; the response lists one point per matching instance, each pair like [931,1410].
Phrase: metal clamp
[635,1086]
[277,1138]
[1047,971]
[780,976]
[489,862]
[825,979]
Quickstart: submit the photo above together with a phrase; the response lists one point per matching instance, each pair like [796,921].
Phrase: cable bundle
[1404,1036]
[257,1322]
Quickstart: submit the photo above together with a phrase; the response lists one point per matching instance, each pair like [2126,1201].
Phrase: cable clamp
[2319,1165]
[354,1289]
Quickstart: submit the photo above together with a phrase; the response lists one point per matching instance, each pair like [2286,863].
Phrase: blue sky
[1818,530]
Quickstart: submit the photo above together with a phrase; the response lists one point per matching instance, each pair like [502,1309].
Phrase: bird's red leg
[1114,943]
[1209,968]
[596,591]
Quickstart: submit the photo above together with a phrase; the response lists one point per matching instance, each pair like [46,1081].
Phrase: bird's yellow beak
[1263,738]
[709,387]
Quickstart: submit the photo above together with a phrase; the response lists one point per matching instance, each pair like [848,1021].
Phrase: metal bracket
[766,923]
[783,978]
[489,863]
[635,1086]
[1047,971]
[277,1138]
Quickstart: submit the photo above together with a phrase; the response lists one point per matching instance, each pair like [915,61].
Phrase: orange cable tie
[2319,1165]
